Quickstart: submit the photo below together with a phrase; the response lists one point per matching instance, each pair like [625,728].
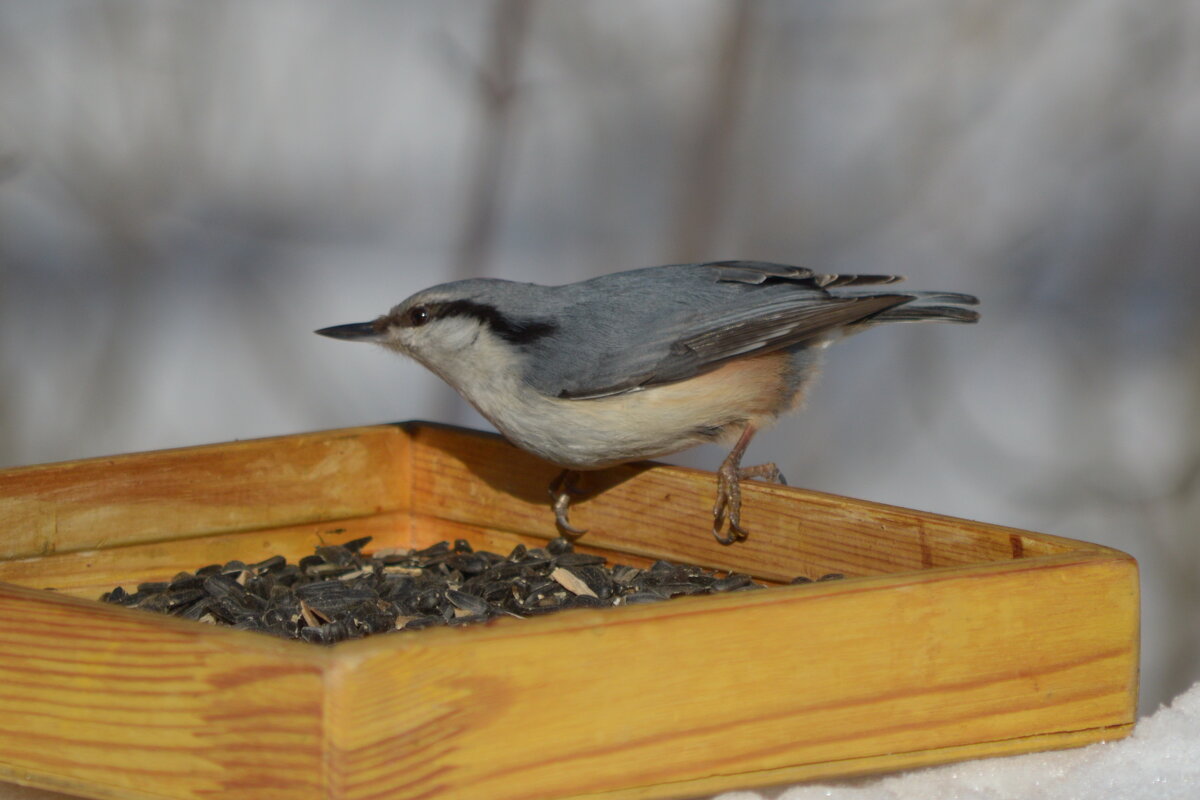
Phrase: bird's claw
[728,509]
[561,489]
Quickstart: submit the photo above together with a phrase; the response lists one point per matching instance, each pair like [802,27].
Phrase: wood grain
[89,573]
[197,491]
[593,702]
[116,702]
[665,512]
[956,639]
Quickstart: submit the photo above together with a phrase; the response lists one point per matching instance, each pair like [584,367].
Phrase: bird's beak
[354,332]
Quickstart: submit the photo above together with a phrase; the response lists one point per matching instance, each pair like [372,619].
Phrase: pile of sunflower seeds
[340,593]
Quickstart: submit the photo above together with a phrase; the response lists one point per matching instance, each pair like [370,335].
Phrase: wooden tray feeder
[947,639]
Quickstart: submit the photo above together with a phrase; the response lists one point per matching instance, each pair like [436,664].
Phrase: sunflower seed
[340,593]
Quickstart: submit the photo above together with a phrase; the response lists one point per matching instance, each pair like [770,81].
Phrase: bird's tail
[933,307]
[928,307]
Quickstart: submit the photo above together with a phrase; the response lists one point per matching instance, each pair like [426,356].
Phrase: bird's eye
[418,316]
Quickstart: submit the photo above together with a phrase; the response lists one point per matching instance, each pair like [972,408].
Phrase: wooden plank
[616,701]
[963,639]
[89,573]
[665,512]
[111,702]
[851,767]
[195,491]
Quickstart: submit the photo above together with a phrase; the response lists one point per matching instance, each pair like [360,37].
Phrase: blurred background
[187,190]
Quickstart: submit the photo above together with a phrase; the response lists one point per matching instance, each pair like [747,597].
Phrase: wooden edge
[901,662]
[234,445]
[90,573]
[872,765]
[658,511]
[372,646]
[154,496]
[351,652]
[219,636]
[193,718]
[875,765]
[620,475]
[209,489]
[95,791]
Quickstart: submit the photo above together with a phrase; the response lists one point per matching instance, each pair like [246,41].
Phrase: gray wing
[667,324]
[760,272]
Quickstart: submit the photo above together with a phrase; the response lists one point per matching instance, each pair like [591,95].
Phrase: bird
[645,362]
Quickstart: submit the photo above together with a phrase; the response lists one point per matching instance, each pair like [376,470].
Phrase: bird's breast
[648,423]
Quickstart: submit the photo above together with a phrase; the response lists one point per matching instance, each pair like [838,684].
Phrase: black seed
[467,602]
[117,595]
[228,609]
[268,564]
[558,546]
[418,623]
[317,635]
[355,545]
[335,554]
[504,571]
[308,562]
[441,548]
[730,582]
[332,570]
[494,592]
[248,624]
[583,601]
[155,602]
[536,564]
[598,580]
[195,610]
[222,585]
[181,597]
[642,597]
[578,559]
[661,567]
[339,593]
[428,601]
[624,575]
[186,580]
[468,564]
[679,588]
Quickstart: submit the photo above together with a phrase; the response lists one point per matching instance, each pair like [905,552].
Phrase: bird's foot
[728,508]
[561,489]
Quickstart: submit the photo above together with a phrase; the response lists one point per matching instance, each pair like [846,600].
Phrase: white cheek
[440,344]
[454,338]
[450,348]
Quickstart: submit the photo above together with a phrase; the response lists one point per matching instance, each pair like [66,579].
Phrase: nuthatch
[643,363]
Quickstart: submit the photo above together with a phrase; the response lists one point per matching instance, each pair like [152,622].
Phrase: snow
[1159,761]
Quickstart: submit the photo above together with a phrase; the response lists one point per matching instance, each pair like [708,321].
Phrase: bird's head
[449,327]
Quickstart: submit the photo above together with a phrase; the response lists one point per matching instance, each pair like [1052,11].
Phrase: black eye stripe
[516,331]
